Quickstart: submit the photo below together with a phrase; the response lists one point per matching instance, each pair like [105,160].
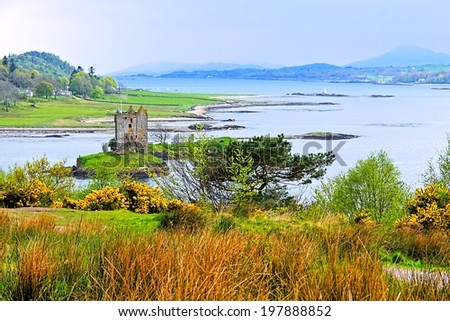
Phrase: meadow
[75,112]
[120,255]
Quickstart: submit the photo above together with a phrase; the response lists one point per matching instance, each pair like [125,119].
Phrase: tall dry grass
[88,261]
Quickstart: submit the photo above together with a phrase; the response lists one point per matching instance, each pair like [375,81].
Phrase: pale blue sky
[114,34]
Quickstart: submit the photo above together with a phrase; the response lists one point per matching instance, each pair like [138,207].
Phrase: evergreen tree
[12,65]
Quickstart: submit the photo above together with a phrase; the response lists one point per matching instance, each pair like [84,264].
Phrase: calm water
[411,126]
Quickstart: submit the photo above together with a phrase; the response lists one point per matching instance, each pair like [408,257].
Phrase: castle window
[129,126]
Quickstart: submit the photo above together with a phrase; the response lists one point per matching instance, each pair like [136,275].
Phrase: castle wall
[131,131]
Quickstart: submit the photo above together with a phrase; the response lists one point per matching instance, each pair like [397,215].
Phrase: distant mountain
[312,72]
[45,63]
[427,74]
[404,65]
[405,56]
[159,68]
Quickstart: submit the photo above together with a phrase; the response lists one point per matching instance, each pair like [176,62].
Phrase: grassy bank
[133,161]
[73,255]
[76,112]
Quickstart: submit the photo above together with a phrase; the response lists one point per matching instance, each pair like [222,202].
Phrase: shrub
[431,247]
[143,198]
[224,224]
[428,209]
[33,194]
[184,216]
[373,185]
[37,183]
[363,218]
[108,198]
[71,203]
[437,194]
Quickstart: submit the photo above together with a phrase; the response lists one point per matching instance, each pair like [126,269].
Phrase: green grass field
[74,112]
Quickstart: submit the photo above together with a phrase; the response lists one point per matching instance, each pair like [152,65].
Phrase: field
[76,112]
[76,255]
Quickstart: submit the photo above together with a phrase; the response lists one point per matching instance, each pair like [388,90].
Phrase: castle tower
[131,131]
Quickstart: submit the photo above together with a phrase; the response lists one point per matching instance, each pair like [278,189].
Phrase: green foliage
[102,177]
[373,185]
[108,85]
[80,84]
[44,89]
[97,92]
[45,63]
[233,171]
[224,224]
[429,209]
[259,168]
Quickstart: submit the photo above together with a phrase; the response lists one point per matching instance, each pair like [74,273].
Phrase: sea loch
[411,124]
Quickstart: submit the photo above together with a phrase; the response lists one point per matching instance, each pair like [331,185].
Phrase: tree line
[87,84]
[46,75]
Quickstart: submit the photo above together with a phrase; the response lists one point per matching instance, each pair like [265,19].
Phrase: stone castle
[131,131]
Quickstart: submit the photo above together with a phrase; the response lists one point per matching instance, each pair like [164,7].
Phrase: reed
[91,261]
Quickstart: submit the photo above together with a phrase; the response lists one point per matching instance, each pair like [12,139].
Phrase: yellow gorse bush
[182,207]
[34,193]
[428,209]
[107,198]
[143,198]
[363,217]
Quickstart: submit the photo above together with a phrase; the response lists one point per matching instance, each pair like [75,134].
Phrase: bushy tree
[8,94]
[373,185]
[97,92]
[222,171]
[438,170]
[44,89]
[80,84]
[108,85]
[63,82]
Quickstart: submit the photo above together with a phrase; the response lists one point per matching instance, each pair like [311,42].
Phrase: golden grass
[88,261]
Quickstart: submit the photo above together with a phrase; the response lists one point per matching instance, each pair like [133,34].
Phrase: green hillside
[45,63]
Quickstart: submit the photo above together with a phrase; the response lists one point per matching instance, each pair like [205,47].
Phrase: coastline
[196,113]
[202,110]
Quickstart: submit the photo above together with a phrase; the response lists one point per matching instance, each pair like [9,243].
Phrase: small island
[324,136]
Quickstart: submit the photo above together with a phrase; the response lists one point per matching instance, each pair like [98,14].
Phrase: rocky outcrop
[323,136]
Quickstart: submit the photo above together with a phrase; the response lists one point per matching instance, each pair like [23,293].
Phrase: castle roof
[131,110]
[142,110]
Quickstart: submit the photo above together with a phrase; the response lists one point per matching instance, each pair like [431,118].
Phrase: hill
[426,68]
[312,72]
[159,68]
[45,63]
[405,56]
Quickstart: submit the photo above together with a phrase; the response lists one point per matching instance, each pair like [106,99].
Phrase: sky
[112,35]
